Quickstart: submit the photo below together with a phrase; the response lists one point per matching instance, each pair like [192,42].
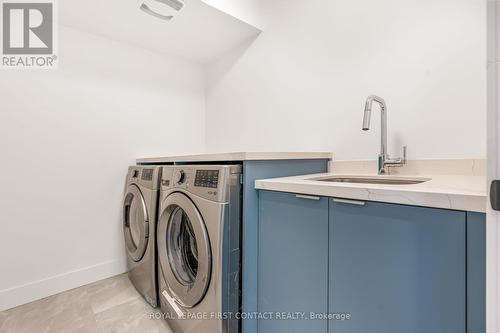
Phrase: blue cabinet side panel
[397,269]
[293,262]
[476,273]
[254,170]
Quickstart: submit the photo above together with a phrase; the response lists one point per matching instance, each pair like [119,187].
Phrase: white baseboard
[35,290]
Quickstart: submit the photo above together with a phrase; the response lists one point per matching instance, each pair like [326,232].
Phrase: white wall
[66,139]
[302,84]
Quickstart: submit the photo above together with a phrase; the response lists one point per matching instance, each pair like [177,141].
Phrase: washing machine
[140,212]
[199,241]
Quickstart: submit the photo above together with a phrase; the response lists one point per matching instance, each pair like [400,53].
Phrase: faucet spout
[383,115]
[367,118]
[383,158]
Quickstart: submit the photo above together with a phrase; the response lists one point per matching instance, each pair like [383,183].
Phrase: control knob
[180,176]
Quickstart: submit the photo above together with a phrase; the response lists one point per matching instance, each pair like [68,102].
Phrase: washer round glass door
[184,250]
[135,223]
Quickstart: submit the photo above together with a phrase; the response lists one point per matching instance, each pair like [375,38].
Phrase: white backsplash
[465,167]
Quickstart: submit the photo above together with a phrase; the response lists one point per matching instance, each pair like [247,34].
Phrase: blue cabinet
[476,273]
[292,262]
[253,170]
[397,269]
[390,268]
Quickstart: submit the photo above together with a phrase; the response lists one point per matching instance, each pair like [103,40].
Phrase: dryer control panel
[145,176]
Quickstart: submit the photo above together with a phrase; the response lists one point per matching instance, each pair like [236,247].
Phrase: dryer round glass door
[184,250]
[135,223]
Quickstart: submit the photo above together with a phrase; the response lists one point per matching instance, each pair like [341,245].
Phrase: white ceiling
[199,32]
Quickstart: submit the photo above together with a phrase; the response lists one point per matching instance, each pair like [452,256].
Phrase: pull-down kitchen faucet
[384,160]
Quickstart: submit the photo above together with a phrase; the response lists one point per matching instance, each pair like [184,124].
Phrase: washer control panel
[206,178]
[208,181]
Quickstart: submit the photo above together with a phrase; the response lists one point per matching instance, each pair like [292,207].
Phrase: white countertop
[457,192]
[238,156]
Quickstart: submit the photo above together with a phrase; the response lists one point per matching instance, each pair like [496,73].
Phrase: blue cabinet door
[254,170]
[476,273]
[397,269]
[292,262]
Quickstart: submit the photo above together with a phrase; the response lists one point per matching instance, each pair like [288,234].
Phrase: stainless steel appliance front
[198,241]
[139,229]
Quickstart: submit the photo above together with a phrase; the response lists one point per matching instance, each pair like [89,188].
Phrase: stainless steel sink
[383,180]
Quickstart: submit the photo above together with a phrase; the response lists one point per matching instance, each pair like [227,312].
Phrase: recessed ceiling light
[175,4]
[171,8]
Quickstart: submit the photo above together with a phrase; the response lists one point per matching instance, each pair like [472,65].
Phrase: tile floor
[112,305]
